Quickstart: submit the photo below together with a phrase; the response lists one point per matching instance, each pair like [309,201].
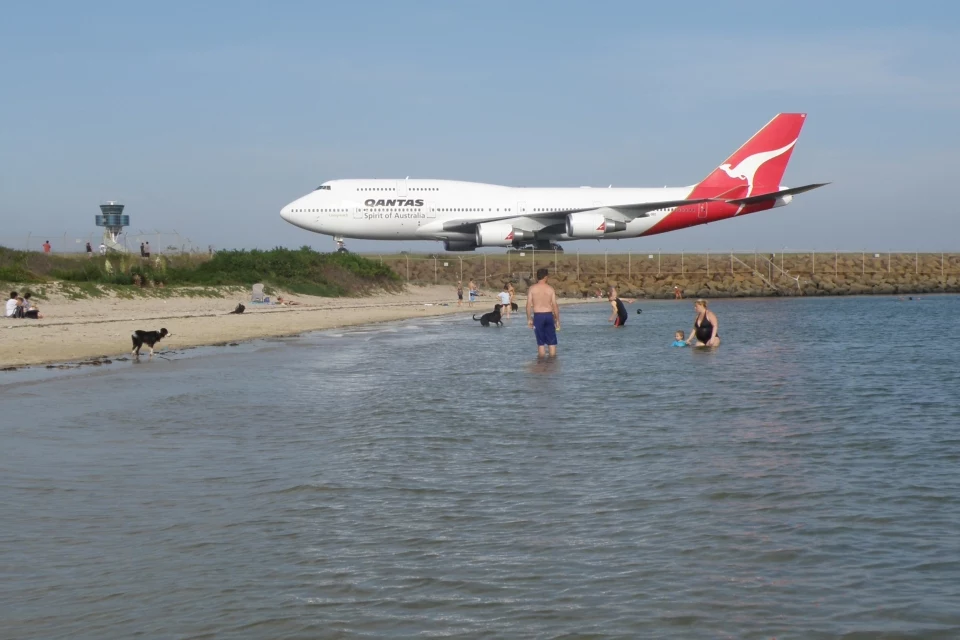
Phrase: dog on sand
[146,338]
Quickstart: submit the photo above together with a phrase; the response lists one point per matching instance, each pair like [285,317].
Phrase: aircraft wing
[625,212]
[764,197]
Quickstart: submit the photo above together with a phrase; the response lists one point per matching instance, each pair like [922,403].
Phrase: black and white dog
[493,316]
[148,338]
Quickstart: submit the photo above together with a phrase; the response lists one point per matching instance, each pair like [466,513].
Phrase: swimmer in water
[678,340]
[619,311]
[705,326]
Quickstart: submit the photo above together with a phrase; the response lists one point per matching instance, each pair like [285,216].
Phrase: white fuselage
[417,209]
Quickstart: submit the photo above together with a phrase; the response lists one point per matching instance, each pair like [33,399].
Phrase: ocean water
[433,479]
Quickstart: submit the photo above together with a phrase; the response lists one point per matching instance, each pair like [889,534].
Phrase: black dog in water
[514,307]
[148,338]
[493,316]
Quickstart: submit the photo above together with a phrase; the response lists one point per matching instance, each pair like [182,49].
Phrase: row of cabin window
[394,188]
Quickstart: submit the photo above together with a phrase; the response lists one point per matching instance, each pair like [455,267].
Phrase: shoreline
[96,329]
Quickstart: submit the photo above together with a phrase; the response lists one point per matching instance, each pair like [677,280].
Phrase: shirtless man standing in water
[543,314]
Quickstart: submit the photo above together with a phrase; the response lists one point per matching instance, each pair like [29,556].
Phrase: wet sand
[93,327]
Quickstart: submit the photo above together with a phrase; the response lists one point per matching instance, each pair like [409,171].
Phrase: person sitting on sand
[678,340]
[286,303]
[30,311]
[706,327]
[11,305]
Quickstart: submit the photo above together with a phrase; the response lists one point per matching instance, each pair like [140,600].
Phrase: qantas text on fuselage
[466,215]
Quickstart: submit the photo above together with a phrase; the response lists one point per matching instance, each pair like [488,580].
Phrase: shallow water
[431,478]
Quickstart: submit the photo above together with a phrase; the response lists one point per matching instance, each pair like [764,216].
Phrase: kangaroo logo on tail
[747,168]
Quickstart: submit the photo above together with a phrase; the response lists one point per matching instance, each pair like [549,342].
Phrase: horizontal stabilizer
[765,197]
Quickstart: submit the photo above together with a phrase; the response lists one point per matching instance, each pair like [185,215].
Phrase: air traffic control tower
[113,221]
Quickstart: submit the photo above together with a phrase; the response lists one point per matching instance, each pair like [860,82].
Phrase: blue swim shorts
[544,329]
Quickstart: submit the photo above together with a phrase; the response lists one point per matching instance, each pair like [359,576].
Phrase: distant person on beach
[89,250]
[11,309]
[705,326]
[512,291]
[46,247]
[504,297]
[143,252]
[459,293]
[678,340]
[543,314]
[103,249]
[146,250]
[619,310]
[677,293]
[472,292]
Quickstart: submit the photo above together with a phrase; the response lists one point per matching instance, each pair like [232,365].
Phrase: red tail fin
[758,166]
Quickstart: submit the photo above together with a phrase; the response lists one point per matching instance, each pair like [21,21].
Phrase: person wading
[706,327]
[543,314]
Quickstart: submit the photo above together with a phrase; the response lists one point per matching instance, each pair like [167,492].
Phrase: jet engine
[499,234]
[459,245]
[591,225]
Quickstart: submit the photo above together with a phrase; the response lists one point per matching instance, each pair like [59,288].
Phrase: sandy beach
[80,329]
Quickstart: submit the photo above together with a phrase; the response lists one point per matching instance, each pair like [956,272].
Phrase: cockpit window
[323,186]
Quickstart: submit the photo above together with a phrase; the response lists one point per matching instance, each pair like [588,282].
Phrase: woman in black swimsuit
[705,326]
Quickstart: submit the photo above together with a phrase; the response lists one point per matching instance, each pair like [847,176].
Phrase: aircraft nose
[285,213]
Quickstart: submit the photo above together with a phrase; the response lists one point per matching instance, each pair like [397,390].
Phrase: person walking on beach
[512,293]
[459,293]
[543,314]
[46,247]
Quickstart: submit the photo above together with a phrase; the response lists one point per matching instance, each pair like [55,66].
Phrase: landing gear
[542,245]
[340,247]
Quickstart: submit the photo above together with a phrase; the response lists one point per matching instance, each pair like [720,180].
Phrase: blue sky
[208,117]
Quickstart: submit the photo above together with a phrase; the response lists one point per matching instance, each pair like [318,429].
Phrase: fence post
[754,259]
[813,257]
[381,260]
[863,263]
[941,264]
[916,262]
[509,272]
[605,277]
[556,262]
[835,259]
[533,263]
[681,262]
[408,268]
[629,268]
[731,263]
[434,269]
[658,261]
[461,268]
[484,270]
[708,263]
[578,265]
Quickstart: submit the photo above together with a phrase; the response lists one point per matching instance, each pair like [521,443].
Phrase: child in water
[678,340]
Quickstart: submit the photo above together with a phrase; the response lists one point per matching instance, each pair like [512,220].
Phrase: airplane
[467,215]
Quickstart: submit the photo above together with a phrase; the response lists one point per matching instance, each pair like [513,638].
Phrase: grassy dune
[297,270]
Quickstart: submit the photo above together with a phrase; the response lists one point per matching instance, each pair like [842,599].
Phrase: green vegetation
[301,271]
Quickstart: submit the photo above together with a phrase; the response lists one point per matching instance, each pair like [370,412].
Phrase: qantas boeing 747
[467,215]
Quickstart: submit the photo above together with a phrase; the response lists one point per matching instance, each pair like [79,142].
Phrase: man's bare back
[542,298]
